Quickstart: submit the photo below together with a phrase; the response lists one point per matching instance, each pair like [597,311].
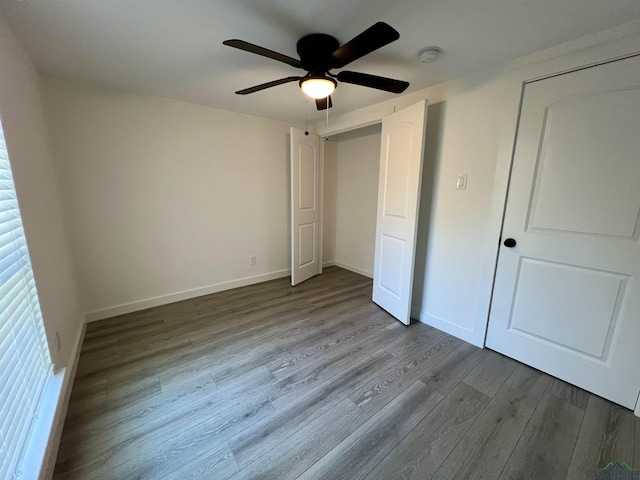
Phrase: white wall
[471,129]
[356,164]
[44,222]
[167,199]
[38,195]
[453,224]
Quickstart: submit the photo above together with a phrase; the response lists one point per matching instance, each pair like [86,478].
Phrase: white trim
[183,295]
[53,444]
[353,269]
[330,263]
[353,120]
[43,448]
[321,141]
[468,336]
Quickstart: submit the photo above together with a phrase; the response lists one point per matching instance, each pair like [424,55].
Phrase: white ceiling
[173,48]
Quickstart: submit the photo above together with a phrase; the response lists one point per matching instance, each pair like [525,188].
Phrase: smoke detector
[429,54]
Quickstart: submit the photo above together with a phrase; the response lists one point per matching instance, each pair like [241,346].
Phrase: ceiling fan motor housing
[315,52]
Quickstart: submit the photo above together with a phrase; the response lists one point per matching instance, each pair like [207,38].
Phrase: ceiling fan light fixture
[318,86]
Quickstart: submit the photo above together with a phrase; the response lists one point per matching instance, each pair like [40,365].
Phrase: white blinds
[25,365]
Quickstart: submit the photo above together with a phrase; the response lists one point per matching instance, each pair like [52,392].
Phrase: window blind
[25,364]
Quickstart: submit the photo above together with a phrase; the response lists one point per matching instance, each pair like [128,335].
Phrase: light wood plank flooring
[317,382]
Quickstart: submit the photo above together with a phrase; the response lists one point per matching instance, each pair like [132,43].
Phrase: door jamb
[320,235]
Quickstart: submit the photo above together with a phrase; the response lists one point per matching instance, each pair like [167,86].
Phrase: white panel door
[401,154]
[305,199]
[567,295]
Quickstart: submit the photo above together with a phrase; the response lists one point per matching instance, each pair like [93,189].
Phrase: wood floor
[317,382]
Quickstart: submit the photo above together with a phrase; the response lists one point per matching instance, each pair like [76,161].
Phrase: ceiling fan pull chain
[327,111]
[306,115]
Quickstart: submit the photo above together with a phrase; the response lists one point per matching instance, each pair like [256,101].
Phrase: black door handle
[509,243]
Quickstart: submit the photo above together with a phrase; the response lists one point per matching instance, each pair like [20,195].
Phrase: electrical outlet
[253,259]
[58,343]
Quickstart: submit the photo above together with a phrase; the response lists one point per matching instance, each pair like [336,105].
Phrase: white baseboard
[184,295]
[53,443]
[330,263]
[351,268]
[450,328]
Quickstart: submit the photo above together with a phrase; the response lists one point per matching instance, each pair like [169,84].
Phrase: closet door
[305,206]
[401,154]
[567,291]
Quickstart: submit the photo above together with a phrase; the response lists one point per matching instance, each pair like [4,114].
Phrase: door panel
[307,237]
[564,298]
[567,296]
[305,172]
[401,155]
[607,155]
[307,169]
[397,168]
[392,252]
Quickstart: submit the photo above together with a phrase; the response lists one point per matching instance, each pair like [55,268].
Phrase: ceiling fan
[319,53]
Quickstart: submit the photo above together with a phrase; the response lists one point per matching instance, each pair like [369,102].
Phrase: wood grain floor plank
[216,464]
[452,369]
[188,442]
[570,393]
[266,353]
[145,363]
[152,365]
[489,375]
[83,394]
[180,391]
[297,453]
[119,395]
[606,435]
[378,393]
[325,368]
[345,294]
[415,338]
[544,450]
[108,429]
[300,358]
[123,324]
[127,391]
[89,347]
[98,430]
[487,445]
[636,461]
[228,353]
[252,442]
[210,422]
[420,453]
[359,453]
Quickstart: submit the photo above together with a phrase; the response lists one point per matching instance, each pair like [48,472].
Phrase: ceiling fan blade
[265,52]
[321,103]
[373,81]
[262,86]
[371,39]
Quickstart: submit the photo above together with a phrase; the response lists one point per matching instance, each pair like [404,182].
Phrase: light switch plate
[461,184]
